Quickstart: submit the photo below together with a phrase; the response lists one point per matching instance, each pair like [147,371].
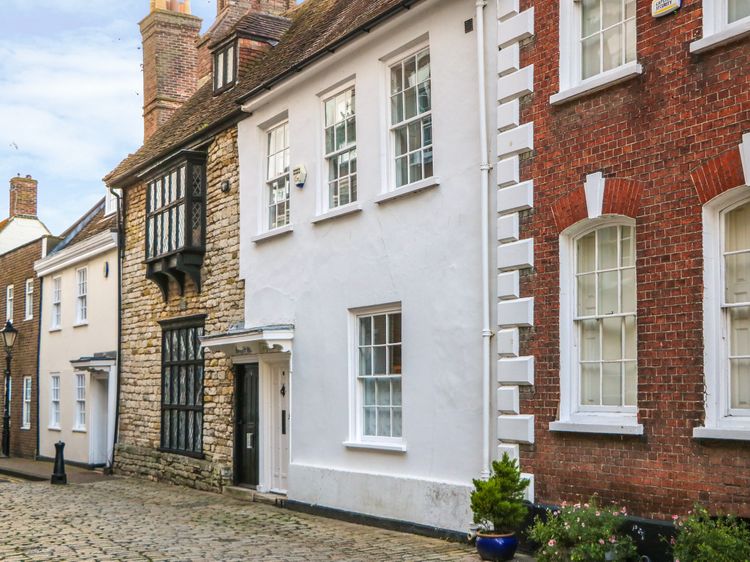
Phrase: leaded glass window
[182,388]
[605,318]
[341,148]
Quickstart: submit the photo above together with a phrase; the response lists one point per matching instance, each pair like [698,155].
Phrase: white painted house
[367,244]
[78,340]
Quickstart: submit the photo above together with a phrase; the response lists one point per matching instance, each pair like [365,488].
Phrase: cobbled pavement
[130,519]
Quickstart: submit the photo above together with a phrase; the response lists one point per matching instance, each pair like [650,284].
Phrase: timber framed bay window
[598,328]
[278,180]
[225,67]
[176,221]
[377,369]
[726,227]
[340,133]
[723,21]
[182,387]
[411,118]
[597,45]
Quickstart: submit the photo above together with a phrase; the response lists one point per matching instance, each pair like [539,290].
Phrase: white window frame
[56,319]
[54,397]
[9,302]
[717,30]
[26,409]
[571,84]
[357,439]
[110,201]
[720,423]
[29,303]
[267,181]
[571,416]
[79,390]
[425,181]
[82,313]
[325,193]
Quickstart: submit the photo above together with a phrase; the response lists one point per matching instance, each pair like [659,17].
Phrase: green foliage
[583,533]
[701,538]
[499,500]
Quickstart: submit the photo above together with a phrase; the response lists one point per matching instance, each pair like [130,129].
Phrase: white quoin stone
[515,198]
[507,8]
[508,115]
[508,59]
[508,285]
[510,448]
[529,493]
[516,84]
[508,400]
[518,312]
[516,370]
[515,28]
[515,428]
[516,255]
[516,141]
[594,188]
[507,228]
[508,171]
[507,342]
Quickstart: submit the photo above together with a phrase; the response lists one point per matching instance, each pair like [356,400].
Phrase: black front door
[246,434]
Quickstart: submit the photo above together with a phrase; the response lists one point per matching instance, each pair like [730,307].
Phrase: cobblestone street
[126,519]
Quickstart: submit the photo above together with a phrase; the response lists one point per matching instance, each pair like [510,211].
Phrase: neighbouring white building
[78,341]
[364,366]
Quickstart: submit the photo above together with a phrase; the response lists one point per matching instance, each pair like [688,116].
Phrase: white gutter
[484,169]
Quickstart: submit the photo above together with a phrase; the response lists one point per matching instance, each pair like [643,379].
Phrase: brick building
[24,240]
[623,179]
[180,215]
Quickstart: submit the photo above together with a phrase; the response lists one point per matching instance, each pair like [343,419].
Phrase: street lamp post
[9,339]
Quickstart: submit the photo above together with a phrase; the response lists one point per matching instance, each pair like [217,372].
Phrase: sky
[70,97]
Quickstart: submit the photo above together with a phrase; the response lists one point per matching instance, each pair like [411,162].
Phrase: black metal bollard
[58,474]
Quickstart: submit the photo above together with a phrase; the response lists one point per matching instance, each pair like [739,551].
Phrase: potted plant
[583,532]
[702,538]
[499,508]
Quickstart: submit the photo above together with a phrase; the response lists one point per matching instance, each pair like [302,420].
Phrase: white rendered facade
[403,253]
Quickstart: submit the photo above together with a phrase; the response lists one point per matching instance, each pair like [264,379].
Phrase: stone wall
[221,300]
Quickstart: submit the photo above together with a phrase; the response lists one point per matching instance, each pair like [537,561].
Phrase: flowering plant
[583,533]
[702,538]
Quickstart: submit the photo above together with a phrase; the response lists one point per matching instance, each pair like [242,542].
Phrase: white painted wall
[422,251]
[59,347]
[20,231]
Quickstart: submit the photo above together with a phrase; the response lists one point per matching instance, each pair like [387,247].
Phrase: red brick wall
[16,267]
[656,129]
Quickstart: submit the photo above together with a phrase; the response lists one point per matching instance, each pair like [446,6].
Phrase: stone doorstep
[247,494]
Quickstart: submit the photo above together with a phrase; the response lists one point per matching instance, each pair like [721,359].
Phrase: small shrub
[583,533]
[702,538]
[498,501]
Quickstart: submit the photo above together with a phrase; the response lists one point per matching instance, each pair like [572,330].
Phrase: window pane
[394,360]
[586,251]
[628,290]
[590,384]
[369,422]
[608,238]
[587,295]
[740,383]
[590,345]
[427,162]
[612,338]
[591,57]
[629,9]
[394,328]
[401,139]
[611,384]
[424,97]
[396,429]
[410,72]
[738,278]
[612,48]
[402,171]
[379,329]
[369,394]
[414,133]
[611,12]
[365,362]
[627,247]
[410,103]
[631,383]
[738,9]
[379,367]
[631,335]
[590,17]
[423,66]
[397,108]
[737,228]
[383,393]
[397,80]
[396,392]
[739,322]
[630,40]
[384,422]
[608,292]
[415,167]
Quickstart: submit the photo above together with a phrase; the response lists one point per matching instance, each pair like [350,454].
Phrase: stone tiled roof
[89,225]
[317,28]
[261,26]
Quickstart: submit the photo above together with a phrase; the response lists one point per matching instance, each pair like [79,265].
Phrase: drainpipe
[120,259]
[484,169]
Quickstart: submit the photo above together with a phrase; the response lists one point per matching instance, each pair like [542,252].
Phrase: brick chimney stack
[170,60]
[23,197]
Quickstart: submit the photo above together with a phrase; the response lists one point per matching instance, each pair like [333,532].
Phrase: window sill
[25,428]
[597,83]
[342,211]
[57,329]
[79,430]
[730,434]
[597,426]
[388,447]
[273,233]
[53,428]
[734,32]
[415,187]
[29,318]
[80,324]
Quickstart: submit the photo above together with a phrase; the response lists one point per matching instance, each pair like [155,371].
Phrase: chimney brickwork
[23,194]
[170,62]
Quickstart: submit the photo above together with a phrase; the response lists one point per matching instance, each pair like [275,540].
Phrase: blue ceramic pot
[496,547]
